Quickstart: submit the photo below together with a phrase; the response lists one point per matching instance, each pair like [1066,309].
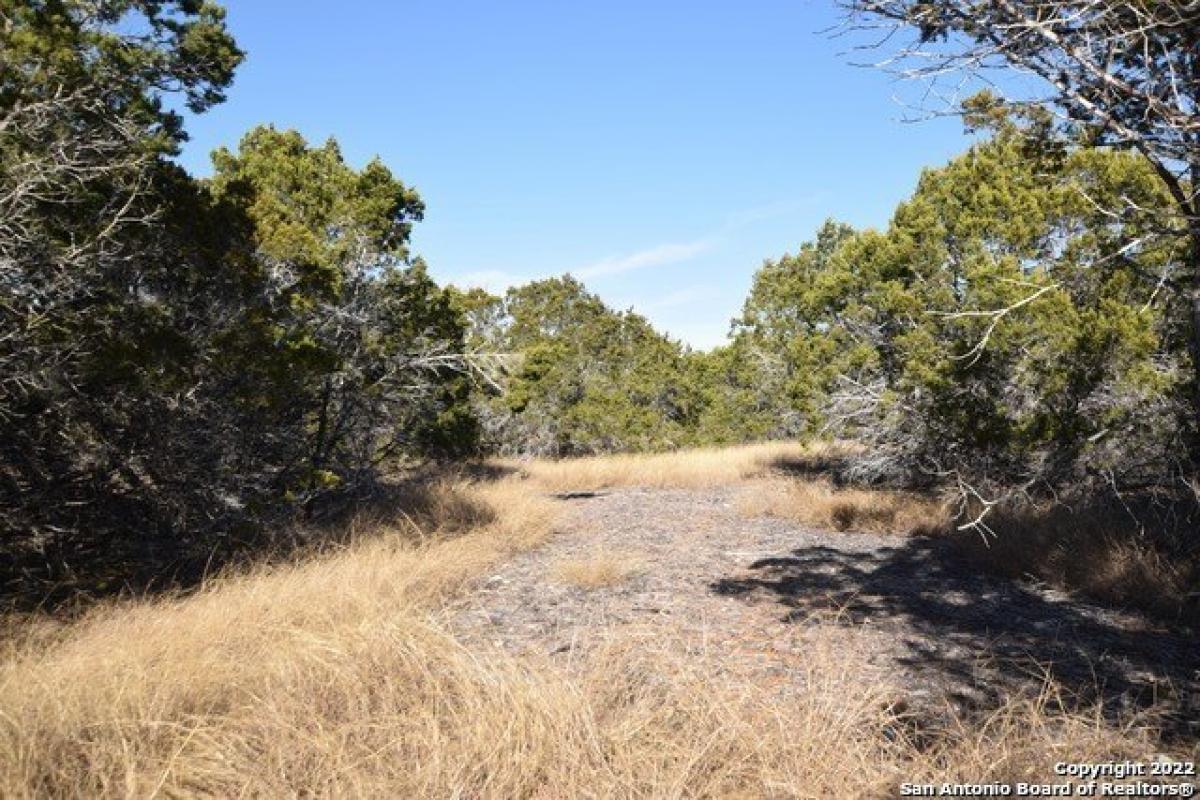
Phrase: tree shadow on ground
[831,465]
[978,639]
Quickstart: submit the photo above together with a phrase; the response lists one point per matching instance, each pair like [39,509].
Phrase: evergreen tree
[183,362]
[91,352]
[996,335]
[587,379]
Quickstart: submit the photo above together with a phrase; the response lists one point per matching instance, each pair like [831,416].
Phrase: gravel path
[755,595]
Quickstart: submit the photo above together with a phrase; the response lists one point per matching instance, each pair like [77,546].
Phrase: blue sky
[658,150]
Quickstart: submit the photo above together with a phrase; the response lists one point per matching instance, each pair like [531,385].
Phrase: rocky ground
[758,596]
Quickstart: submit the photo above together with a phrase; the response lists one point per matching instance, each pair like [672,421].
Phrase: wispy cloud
[498,280]
[660,256]
[683,297]
[780,208]
[676,253]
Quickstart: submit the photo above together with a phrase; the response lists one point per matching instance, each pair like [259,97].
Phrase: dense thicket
[582,378]
[770,381]
[186,362]
[183,361]
[1124,75]
[1005,333]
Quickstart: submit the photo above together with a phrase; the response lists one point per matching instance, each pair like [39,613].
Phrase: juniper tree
[1084,384]
[184,362]
[1125,73]
[587,379]
[85,125]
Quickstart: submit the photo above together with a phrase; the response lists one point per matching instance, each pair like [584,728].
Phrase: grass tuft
[1146,558]
[598,570]
[818,502]
[686,469]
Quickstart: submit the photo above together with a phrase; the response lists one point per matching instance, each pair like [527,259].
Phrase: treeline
[1005,334]
[189,361]
[186,363]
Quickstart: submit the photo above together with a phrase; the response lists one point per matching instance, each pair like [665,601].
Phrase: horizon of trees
[188,364]
[891,338]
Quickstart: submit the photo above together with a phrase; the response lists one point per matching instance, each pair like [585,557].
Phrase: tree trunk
[1194,341]
[317,459]
[1192,210]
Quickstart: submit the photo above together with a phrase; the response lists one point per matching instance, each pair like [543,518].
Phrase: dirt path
[756,595]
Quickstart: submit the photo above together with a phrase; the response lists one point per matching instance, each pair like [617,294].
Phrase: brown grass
[1117,556]
[171,689]
[1097,553]
[599,569]
[692,469]
[333,676]
[1101,554]
[819,502]
[392,705]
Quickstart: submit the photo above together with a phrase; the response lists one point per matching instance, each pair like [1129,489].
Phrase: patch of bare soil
[757,596]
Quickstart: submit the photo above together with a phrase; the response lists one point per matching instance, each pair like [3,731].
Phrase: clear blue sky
[658,149]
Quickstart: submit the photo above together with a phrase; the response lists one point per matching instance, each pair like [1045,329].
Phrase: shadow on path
[977,638]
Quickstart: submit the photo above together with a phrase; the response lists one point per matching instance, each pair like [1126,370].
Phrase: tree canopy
[1119,75]
[587,379]
[996,334]
[187,362]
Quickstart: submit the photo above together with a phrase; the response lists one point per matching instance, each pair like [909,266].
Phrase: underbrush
[1133,553]
[68,581]
[196,693]
[338,674]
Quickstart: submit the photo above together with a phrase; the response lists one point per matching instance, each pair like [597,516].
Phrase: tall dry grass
[816,501]
[338,676]
[393,706]
[1103,554]
[689,469]
[1144,557]
[170,690]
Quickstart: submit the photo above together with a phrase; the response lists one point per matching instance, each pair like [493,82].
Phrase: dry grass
[391,705]
[694,469]
[178,690]
[818,502]
[1118,556]
[333,677]
[1093,552]
[1103,554]
[599,569]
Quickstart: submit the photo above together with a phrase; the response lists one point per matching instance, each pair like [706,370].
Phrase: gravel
[757,596]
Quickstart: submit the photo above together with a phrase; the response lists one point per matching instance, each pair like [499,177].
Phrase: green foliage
[1124,79]
[192,360]
[311,211]
[1003,331]
[349,347]
[130,53]
[96,301]
[185,362]
[739,396]
[786,346]
[586,379]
